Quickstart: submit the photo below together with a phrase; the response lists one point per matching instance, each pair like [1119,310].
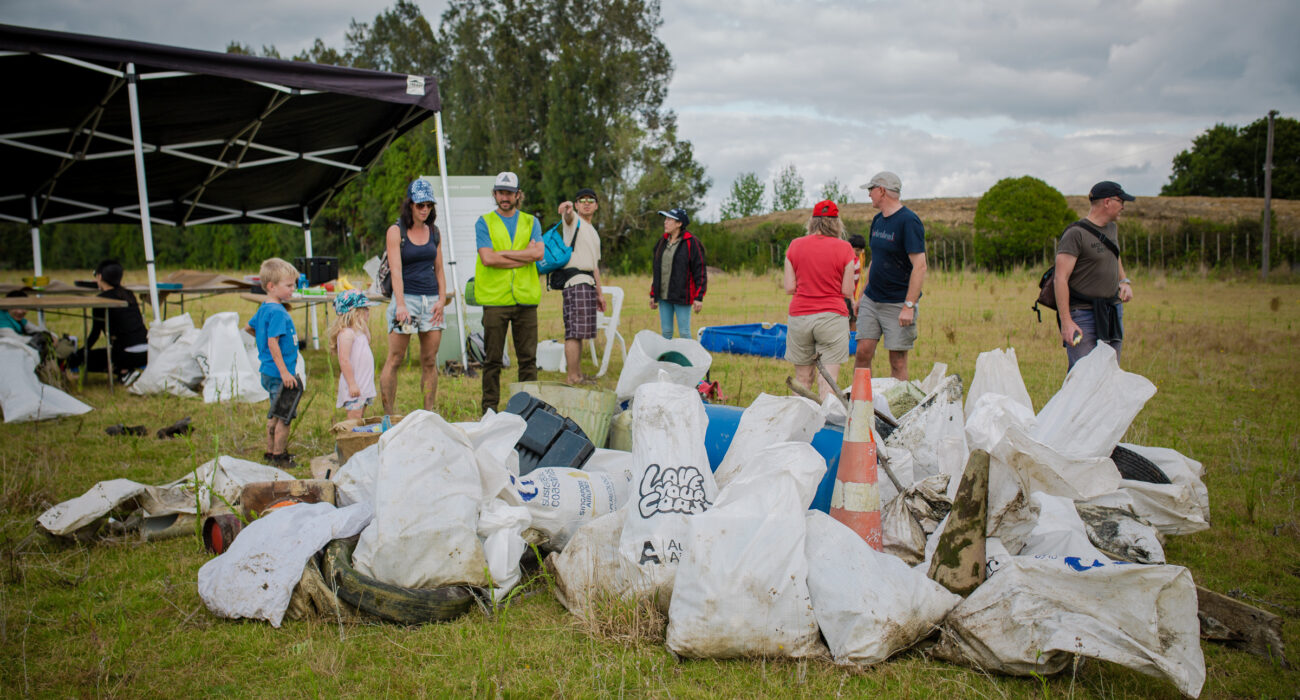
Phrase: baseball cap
[826,207]
[1106,188]
[507,181]
[886,180]
[351,299]
[421,191]
[585,192]
[678,214]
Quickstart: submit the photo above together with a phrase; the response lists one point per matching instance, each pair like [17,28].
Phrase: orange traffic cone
[856,498]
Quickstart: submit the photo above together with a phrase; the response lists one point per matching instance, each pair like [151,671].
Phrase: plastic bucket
[725,420]
[591,409]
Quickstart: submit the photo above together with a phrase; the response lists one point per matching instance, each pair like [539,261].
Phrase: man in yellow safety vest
[509,245]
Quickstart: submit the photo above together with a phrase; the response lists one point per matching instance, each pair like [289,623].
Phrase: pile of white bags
[22,396]
[767,421]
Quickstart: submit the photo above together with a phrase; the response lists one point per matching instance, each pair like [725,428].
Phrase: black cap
[1106,188]
[586,192]
[678,214]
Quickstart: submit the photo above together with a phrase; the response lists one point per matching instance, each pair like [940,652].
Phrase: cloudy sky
[952,95]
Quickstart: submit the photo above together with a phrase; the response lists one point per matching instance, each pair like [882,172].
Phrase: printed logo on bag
[415,84]
[527,489]
[650,556]
[672,490]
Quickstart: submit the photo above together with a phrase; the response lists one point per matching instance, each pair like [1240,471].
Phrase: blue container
[763,340]
[725,420]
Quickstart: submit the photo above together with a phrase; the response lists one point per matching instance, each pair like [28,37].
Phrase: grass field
[124,618]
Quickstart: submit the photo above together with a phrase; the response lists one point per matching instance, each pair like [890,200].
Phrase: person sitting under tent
[129,338]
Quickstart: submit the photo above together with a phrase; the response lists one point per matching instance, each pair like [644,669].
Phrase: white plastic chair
[608,322]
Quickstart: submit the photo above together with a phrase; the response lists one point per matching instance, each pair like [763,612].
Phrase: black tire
[1135,467]
[407,606]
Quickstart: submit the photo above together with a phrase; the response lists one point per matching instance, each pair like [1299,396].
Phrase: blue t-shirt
[892,239]
[13,324]
[483,239]
[272,321]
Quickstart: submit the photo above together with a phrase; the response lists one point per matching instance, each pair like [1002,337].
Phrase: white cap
[507,181]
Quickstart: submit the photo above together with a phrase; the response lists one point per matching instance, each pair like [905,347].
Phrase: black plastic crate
[550,440]
[319,270]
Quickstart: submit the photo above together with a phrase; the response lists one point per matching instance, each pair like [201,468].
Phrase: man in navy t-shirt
[888,307]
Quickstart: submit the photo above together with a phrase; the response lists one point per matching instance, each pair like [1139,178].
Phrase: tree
[746,198]
[836,192]
[1015,219]
[787,189]
[1228,161]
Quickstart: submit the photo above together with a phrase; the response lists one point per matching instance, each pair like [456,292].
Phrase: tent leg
[142,186]
[38,268]
[449,238]
[311,308]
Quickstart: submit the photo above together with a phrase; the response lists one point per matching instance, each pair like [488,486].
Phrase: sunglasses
[423,205]
[587,200]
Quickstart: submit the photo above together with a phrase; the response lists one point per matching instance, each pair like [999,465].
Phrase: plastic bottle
[385,424]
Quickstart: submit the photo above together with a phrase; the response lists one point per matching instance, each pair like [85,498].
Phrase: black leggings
[123,361]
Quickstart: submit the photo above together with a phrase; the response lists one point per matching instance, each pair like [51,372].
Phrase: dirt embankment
[1153,213]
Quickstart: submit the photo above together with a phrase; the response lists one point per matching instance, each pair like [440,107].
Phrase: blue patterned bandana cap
[421,191]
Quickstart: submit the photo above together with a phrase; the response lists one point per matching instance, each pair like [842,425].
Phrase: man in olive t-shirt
[1088,268]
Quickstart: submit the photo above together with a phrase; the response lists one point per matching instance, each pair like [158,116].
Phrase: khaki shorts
[876,320]
[825,333]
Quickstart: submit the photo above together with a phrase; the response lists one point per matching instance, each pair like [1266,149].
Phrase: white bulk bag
[219,350]
[643,364]
[742,589]
[1094,407]
[560,500]
[427,494]
[1036,613]
[870,605]
[997,372]
[255,578]
[22,396]
[672,482]
[767,421]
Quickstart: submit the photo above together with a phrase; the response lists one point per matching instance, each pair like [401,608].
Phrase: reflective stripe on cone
[855,500]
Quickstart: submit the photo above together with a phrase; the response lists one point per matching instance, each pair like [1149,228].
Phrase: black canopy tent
[101,130]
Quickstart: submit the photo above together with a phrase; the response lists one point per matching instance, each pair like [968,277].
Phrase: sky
[951,95]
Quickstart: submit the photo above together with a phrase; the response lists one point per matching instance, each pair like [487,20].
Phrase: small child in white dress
[350,341]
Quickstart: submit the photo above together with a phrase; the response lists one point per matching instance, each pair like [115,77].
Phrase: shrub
[1015,219]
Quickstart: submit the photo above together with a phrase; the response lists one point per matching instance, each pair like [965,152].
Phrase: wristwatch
[1126,281]
[909,304]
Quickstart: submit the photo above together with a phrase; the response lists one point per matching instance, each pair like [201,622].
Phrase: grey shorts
[826,333]
[420,306]
[879,320]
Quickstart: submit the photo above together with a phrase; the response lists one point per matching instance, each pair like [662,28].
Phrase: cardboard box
[348,443]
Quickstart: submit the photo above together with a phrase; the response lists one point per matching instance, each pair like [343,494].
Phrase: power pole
[1268,196]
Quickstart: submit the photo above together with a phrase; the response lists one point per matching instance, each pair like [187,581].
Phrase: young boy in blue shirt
[277,351]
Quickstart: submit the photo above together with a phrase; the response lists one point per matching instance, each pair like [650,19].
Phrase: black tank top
[418,276]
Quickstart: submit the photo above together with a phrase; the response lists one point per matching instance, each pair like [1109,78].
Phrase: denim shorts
[420,306]
[274,386]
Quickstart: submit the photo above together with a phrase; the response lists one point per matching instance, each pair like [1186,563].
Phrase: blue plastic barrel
[762,339]
[725,420]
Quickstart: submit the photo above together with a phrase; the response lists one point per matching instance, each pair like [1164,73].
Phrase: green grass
[124,618]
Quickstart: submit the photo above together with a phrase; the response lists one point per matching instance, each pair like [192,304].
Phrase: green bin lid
[674,357]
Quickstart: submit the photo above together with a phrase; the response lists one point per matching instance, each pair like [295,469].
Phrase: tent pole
[306,236]
[38,268]
[449,238]
[142,186]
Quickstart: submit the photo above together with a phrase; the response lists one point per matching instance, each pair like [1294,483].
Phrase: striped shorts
[579,312]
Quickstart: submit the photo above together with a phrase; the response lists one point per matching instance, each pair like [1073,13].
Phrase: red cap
[826,207]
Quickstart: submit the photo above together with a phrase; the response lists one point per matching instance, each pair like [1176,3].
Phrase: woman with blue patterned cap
[418,287]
